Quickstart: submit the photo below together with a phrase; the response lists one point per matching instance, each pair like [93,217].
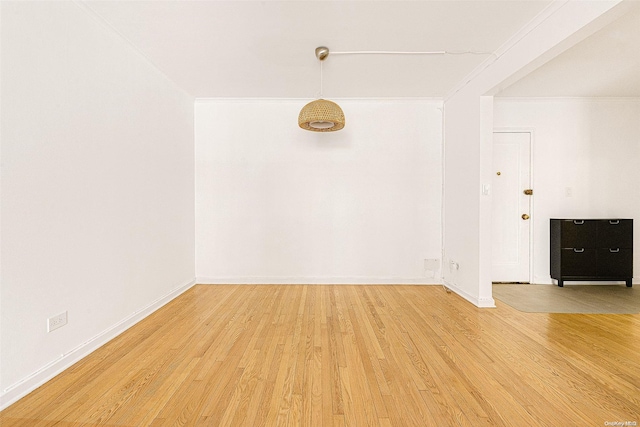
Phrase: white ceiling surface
[605,64]
[266,48]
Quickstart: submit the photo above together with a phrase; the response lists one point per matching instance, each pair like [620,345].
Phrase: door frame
[531,132]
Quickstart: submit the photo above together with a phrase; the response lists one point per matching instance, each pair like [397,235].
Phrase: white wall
[461,202]
[590,146]
[97,188]
[277,204]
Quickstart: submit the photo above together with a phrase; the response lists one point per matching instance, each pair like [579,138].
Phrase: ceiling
[605,64]
[266,48]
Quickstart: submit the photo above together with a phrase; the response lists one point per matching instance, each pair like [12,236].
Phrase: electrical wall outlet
[56,321]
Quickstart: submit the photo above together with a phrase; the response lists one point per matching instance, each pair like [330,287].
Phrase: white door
[511,206]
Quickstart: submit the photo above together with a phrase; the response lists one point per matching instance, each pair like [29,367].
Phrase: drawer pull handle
[578,250]
[614,222]
[614,250]
[578,221]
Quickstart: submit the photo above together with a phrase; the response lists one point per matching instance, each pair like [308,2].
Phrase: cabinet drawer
[614,233]
[577,233]
[615,262]
[578,262]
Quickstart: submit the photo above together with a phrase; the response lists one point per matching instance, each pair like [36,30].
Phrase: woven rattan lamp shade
[321,116]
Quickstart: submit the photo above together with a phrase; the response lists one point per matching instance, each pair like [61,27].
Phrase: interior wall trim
[543,99]
[226,100]
[478,302]
[25,386]
[317,280]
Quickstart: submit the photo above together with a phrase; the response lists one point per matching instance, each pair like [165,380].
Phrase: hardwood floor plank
[326,372]
[315,374]
[367,373]
[339,355]
[335,338]
[354,378]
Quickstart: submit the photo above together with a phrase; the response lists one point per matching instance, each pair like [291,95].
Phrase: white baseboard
[478,302]
[317,280]
[25,386]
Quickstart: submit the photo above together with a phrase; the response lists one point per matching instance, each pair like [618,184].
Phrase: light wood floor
[348,355]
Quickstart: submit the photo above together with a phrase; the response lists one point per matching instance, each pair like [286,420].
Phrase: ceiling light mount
[322,52]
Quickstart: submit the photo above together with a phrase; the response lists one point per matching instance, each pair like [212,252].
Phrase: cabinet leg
[629,283]
[560,283]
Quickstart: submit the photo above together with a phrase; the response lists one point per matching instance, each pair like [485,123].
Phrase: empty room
[319,213]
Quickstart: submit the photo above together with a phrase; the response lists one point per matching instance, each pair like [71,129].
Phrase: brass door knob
[525,216]
[528,192]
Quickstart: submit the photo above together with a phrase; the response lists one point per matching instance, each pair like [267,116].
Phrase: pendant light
[321,115]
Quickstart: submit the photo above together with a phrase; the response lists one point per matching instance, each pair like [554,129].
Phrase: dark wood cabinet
[592,249]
